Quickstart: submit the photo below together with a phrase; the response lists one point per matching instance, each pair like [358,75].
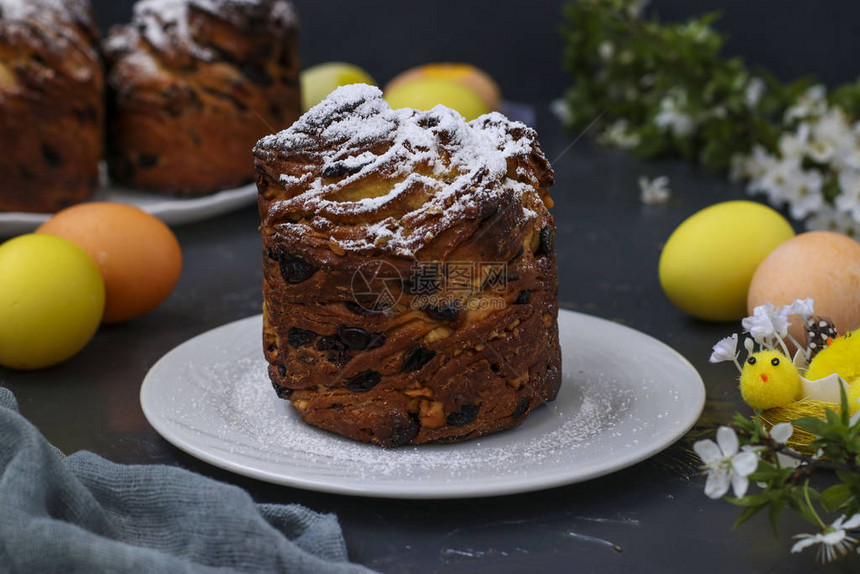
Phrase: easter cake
[409,272]
[51,104]
[192,85]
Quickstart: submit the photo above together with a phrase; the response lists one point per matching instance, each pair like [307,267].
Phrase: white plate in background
[172,210]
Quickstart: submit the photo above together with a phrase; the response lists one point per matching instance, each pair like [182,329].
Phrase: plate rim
[170,209]
[436,491]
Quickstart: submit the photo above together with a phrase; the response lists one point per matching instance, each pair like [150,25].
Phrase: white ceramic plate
[625,397]
[171,210]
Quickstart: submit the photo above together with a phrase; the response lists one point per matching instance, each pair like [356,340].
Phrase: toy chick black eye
[751,360]
[774,362]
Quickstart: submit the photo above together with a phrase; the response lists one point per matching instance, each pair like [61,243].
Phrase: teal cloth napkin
[82,513]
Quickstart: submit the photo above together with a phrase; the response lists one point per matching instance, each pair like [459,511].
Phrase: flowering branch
[783,475]
[665,90]
[750,452]
[808,463]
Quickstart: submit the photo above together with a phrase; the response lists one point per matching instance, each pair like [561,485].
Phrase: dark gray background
[516,41]
[608,246]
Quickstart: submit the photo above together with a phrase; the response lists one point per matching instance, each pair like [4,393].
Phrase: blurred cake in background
[51,104]
[192,85]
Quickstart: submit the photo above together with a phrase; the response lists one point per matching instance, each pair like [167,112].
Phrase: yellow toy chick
[769,380]
[785,390]
[841,356]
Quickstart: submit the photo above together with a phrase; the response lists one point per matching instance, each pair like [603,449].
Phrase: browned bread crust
[192,85]
[51,104]
[354,187]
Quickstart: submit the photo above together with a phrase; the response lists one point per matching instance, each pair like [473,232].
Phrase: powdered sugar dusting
[248,403]
[354,132]
[624,397]
[44,11]
[165,23]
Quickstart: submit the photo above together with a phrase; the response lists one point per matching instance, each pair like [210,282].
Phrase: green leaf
[843,403]
[835,496]
[744,423]
[751,500]
[746,514]
[776,508]
[814,425]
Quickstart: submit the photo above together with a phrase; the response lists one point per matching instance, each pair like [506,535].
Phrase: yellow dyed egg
[319,81]
[51,300]
[426,93]
[708,262]
[467,75]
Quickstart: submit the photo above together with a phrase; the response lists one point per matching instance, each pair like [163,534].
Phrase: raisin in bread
[192,85]
[409,271]
[51,104]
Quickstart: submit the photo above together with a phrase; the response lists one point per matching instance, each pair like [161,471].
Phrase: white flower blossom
[778,181]
[804,193]
[725,465]
[813,132]
[654,191]
[781,432]
[752,167]
[768,326]
[635,9]
[718,112]
[804,308]
[697,31]
[618,135]
[725,350]
[848,155]
[848,201]
[834,539]
[754,92]
[739,168]
[830,219]
[606,50]
[558,108]
[811,103]
[672,116]
[794,144]
[779,318]
[830,136]
[766,322]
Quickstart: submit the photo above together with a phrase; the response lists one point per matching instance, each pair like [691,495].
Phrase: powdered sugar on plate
[246,401]
[625,396]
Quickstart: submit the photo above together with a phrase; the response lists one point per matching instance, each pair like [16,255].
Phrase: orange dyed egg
[821,265]
[138,255]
